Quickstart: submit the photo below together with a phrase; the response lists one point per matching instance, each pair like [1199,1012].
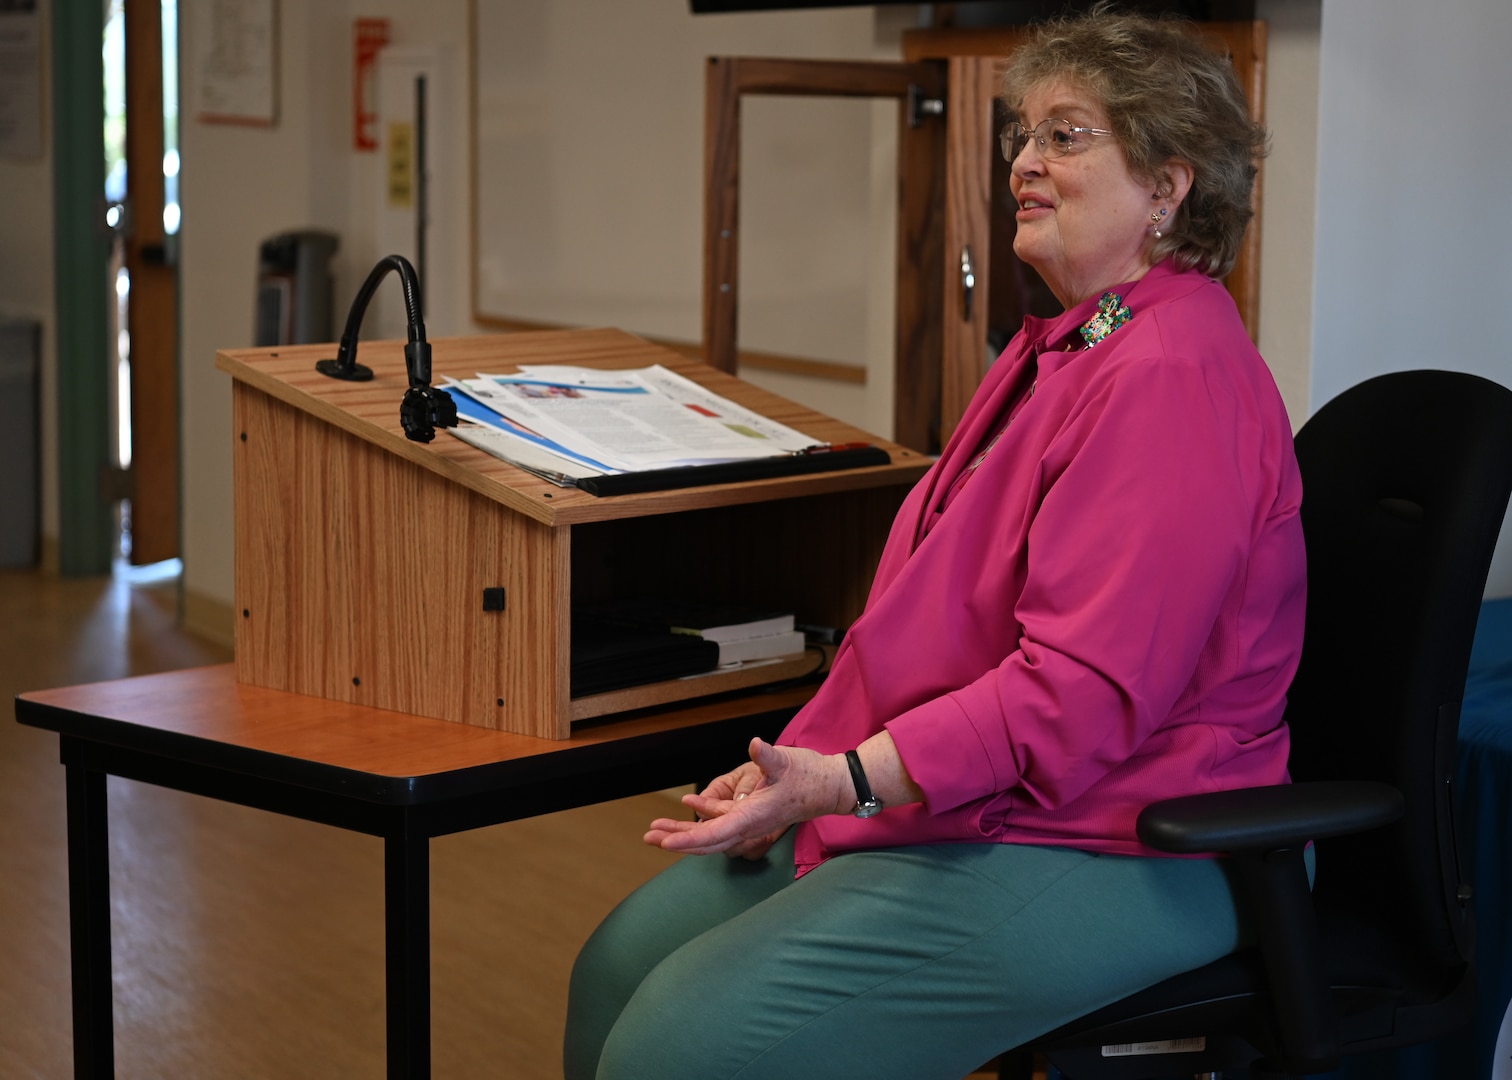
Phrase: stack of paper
[567,424]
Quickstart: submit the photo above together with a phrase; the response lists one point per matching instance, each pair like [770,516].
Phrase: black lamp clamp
[424,408]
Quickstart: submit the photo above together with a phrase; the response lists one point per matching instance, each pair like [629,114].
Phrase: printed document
[566,423]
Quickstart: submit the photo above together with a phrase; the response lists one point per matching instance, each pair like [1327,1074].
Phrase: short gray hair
[1166,95]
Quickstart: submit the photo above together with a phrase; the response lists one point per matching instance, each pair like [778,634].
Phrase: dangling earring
[1157,217]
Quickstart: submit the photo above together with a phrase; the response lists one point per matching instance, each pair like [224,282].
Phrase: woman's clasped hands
[745,811]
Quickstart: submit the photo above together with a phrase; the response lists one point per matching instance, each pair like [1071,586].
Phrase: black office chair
[1405,485]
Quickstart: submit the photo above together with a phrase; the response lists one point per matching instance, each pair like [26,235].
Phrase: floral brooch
[1111,314]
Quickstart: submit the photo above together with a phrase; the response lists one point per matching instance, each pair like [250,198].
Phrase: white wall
[1414,238]
[238,185]
[241,185]
[1288,192]
[27,288]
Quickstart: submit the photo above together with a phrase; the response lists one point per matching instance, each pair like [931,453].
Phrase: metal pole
[421,184]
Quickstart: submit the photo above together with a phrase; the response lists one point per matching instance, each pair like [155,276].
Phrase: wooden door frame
[917,355]
[966,243]
[153,303]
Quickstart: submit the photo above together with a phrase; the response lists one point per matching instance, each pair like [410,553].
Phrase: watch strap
[867,804]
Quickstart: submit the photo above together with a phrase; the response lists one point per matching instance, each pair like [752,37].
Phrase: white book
[769,647]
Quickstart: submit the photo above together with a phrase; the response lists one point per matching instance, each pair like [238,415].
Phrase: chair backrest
[1405,484]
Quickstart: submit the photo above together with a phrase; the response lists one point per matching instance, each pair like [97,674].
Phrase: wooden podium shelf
[362,557]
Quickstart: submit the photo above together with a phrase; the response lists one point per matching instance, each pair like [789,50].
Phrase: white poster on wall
[236,62]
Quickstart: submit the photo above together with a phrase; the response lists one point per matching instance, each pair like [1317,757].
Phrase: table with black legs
[400,777]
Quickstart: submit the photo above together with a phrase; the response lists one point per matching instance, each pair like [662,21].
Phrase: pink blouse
[1109,613]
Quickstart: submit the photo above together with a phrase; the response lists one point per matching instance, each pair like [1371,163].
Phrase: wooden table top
[204,715]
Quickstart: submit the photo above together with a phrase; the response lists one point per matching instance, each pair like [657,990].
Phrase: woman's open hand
[743,812]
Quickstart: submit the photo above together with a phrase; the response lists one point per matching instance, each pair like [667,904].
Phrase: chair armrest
[1265,830]
[1267,818]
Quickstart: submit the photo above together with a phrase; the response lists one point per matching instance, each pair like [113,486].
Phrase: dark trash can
[294,287]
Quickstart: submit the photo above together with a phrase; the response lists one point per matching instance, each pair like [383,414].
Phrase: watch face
[867,809]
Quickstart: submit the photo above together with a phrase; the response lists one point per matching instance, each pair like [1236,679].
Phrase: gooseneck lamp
[424,407]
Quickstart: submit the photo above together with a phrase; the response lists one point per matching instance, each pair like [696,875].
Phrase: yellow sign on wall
[401,163]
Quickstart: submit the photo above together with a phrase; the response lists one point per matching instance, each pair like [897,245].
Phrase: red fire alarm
[369,36]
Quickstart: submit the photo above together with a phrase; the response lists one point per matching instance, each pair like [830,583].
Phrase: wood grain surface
[362,557]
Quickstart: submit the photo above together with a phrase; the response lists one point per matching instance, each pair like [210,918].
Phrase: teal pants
[906,963]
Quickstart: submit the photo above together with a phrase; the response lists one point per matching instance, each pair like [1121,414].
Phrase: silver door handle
[968,283]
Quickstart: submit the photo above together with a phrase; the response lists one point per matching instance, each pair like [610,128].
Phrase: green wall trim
[81,257]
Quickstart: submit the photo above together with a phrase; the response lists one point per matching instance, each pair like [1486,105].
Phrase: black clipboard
[817,460]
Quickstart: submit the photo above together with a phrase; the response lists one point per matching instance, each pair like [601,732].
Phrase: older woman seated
[1094,600]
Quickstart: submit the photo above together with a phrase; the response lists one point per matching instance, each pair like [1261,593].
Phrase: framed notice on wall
[236,62]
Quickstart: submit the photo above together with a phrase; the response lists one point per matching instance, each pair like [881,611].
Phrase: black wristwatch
[867,804]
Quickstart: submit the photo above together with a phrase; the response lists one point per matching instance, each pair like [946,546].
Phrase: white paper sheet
[649,418]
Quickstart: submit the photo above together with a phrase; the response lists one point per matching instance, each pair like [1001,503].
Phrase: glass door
[919,91]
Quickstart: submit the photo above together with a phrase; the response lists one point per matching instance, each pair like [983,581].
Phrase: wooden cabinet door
[919,89]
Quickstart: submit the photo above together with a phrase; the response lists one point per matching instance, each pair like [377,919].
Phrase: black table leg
[407,912]
[89,918]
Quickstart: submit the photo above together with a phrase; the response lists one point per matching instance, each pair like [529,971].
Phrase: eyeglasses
[1056,138]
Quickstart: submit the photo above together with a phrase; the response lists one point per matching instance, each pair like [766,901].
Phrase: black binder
[820,459]
[607,656]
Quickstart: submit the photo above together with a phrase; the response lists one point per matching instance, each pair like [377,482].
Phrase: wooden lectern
[362,558]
